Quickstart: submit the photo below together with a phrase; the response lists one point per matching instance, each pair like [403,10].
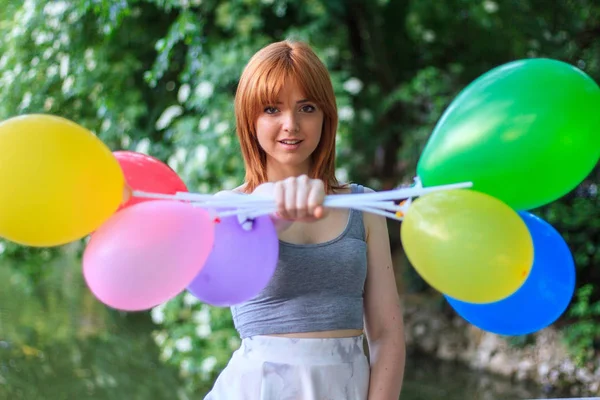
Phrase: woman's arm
[383,314]
[266,189]
[296,198]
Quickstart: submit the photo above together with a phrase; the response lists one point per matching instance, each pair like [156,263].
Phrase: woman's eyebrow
[298,102]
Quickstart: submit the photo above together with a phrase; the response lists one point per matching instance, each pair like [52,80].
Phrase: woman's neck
[280,172]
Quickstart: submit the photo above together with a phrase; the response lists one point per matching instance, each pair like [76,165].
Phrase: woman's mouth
[290,144]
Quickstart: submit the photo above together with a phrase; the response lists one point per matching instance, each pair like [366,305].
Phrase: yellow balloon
[59,181]
[467,245]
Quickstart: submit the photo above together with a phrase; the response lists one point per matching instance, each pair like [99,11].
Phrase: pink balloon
[147,253]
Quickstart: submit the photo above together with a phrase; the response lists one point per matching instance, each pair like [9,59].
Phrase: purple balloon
[241,264]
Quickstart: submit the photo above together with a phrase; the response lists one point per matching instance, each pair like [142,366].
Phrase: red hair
[260,84]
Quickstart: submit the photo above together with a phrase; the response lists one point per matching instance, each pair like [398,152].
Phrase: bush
[577,218]
[196,338]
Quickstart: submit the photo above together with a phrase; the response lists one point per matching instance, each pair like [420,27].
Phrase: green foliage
[521,341]
[158,76]
[196,338]
[44,301]
[101,367]
[583,335]
[58,342]
[577,218]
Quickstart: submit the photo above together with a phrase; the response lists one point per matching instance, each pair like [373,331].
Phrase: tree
[158,76]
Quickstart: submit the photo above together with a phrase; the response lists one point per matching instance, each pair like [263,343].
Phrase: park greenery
[158,76]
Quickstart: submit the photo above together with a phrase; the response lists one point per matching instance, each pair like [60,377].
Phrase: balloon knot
[217,220]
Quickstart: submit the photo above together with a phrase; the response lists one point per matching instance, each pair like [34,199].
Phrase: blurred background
[158,77]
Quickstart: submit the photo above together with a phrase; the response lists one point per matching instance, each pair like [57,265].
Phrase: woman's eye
[308,108]
[270,110]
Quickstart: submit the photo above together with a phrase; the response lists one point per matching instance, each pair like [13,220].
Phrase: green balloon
[527,133]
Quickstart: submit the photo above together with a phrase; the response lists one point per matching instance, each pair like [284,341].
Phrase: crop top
[315,287]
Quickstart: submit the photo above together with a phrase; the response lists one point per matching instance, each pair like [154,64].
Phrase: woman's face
[289,131]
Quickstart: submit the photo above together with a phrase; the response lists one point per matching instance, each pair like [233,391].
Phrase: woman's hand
[297,198]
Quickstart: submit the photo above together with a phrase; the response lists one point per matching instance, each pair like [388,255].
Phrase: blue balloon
[544,296]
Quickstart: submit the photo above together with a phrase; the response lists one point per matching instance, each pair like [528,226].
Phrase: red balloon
[147,174]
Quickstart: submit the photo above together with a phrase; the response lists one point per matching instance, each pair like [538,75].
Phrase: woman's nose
[290,123]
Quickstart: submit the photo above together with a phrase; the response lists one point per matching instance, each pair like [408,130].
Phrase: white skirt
[278,368]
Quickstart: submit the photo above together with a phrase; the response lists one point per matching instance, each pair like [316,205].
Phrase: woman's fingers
[279,195]
[302,197]
[316,197]
[299,198]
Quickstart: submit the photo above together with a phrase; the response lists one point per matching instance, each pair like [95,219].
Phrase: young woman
[302,336]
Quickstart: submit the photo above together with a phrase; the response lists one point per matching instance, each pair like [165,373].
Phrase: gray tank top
[316,287]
